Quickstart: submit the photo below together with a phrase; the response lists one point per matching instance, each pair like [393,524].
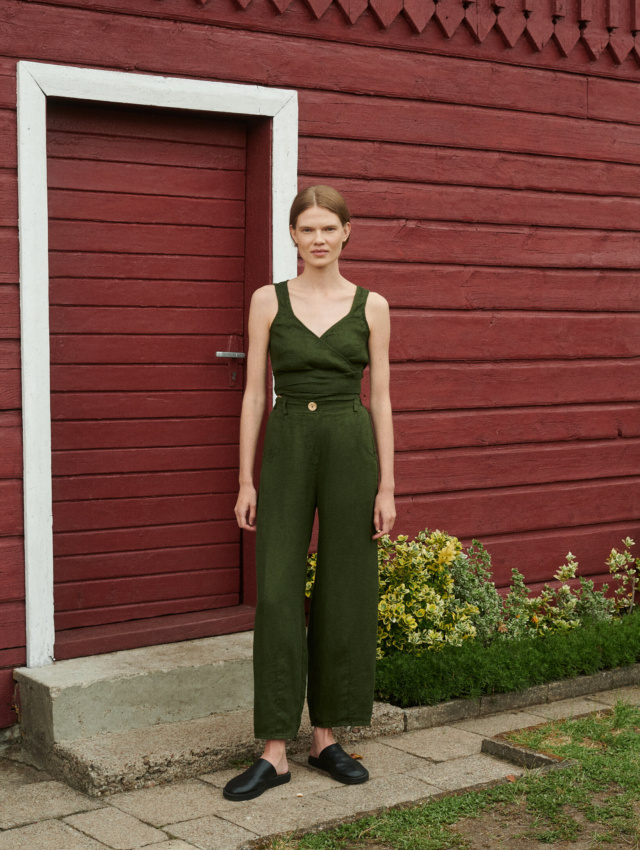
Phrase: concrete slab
[48,835]
[211,833]
[135,688]
[169,803]
[571,707]
[14,774]
[383,791]
[271,816]
[629,695]
[40,801]
[438,744]
[498,723]
[116,829]
[465,772]
[178,844]
[379,758]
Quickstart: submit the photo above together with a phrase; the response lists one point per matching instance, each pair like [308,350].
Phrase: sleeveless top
[306,365]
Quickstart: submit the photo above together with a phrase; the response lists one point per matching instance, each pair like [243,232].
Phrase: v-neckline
[300,322]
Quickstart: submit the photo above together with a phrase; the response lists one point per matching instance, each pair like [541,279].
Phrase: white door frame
[36,82]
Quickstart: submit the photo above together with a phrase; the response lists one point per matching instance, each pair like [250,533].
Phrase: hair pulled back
[320,196]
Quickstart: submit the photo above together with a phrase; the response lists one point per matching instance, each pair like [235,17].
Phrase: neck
[328,277]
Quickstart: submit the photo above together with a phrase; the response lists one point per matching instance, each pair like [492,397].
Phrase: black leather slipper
[340,765]
[255,780]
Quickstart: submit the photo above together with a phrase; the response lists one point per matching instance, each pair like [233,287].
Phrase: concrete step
[134,689]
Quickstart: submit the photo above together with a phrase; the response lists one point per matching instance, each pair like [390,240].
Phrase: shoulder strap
[281,293]
[360,299]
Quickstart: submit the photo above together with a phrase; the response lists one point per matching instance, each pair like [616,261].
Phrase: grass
[598,799]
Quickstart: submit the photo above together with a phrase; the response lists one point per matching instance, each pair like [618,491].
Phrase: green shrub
[472,669]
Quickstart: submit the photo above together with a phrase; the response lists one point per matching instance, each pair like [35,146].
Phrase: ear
[292,231]
[347,231]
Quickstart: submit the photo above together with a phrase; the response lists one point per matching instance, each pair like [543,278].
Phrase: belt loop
[284,404]
[355,404]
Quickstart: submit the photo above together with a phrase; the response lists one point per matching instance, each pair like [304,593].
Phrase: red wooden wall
[496,201]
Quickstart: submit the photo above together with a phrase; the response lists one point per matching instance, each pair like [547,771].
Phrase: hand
[384,514]
[245,509]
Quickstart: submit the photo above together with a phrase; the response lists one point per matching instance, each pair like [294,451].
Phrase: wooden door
[147,215]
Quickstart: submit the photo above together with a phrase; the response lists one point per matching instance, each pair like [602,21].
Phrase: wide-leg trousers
[317,454]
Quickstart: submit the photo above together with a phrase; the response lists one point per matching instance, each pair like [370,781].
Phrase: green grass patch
[503,666]
[596,797]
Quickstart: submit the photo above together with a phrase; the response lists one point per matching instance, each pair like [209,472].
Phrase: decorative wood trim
[36,82]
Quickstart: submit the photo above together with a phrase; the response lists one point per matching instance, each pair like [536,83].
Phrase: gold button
[312,405]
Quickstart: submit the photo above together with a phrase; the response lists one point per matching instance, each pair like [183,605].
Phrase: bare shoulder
[377,302]
[377,310]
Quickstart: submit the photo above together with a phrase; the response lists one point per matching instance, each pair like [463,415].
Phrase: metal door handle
[230,354]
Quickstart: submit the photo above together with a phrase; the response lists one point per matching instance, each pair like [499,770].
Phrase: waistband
[319,403]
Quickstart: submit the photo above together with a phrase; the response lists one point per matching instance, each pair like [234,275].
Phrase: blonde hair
[320,196]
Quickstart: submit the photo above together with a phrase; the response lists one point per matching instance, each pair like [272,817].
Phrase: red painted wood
[545,551]
[11,570]
[458,428]
[127,433]
[9,312]
[13,657]
[491,288]
[10,392]
[346,116]
[8,195]
[10,508]
[132,485]
[514,335]
[401,200]
[92,641]
[7,714]
[92,617]
[485,244]
[10,452]
[130,590]
[137,348]
[9,355]
[152,320]
[152,537]
[12,618]
[9,252]
[146,293]
[146,238]
[144,179]
[352,158]
[507,466]
[512,510]
[147,562]
[153,223]
[114,514]
[465,385]
[165,267]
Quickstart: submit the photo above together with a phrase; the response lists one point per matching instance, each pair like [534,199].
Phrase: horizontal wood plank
[448,286]
[152,537]
[146,562]
[9,253]
[419,163]
[160,405]
[9,354]
[140,378]
[8,715]
[15,657]
[155,239]
[136,485]
[512,335]
[89,176]
[10,452]
[111,461]
[467,385]
[132,433]
[100,616]
[9,312]
[145,293]
[123,348]
[12,618]
[507,466]
[11,569]
[152,320]
[149,266]
[11,513]
[10,389]
[8,196]
[458,428]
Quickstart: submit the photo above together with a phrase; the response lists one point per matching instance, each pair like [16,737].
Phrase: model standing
[320,452]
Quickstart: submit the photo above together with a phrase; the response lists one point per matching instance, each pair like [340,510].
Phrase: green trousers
[317,454]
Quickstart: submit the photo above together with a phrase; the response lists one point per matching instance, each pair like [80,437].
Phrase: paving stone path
[37,813]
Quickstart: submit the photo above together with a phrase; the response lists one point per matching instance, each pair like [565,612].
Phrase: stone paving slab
[211,833]
[171,803]
[570,707]
[379,757]
[631,695]
[116,829]
[383,791]
[439,743]
[40,801]
[466,772]
[47,835]
[497,724]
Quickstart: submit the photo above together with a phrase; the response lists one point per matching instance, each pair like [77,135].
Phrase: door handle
[230,354]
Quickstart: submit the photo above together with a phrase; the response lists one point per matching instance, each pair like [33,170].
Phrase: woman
[319,452]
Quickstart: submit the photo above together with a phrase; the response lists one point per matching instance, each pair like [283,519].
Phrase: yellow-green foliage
[417,608]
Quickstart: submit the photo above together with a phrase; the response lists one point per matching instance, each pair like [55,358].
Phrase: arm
[261,312]
[377,314]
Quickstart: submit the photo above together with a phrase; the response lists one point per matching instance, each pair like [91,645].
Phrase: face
[319,235]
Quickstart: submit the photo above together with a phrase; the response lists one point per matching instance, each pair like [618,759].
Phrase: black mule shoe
[255,780]
[340,765]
